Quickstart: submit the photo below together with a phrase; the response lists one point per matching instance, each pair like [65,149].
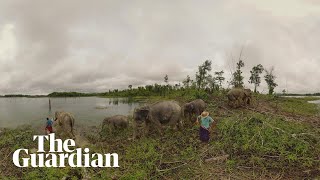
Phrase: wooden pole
[49,104]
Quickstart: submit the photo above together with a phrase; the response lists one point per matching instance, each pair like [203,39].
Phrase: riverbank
[275,138]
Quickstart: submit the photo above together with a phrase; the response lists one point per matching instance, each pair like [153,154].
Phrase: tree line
[205,81]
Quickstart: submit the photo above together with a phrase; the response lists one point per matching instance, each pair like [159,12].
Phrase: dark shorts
[49,128]
[204,134]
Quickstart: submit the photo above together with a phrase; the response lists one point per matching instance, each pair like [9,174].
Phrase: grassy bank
[258,145]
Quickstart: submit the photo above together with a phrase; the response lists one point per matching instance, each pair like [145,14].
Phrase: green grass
[270,143]
[252,140]
[298,106]
[259,146]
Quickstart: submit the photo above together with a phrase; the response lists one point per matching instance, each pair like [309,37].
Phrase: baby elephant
[194,108]
[117,122]
[239,96]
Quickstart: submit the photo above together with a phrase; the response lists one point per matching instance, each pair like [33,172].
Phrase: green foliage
[237,78]
[295,94]
[298,106]
[16,138]
[219,77]
[22,95]
[49,173]
[255,76]
[270,79]
[260,142]
[71,94]
[187,82]
[166,78]
[144,154]
[202,74]
[269,143]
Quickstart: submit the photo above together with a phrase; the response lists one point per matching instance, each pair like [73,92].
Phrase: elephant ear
[247,92]
[145,113]
[56,114]
[192,106]
[141,113]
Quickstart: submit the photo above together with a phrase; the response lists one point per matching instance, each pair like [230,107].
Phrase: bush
[264,142]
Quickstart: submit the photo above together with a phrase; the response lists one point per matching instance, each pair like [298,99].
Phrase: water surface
[87,110]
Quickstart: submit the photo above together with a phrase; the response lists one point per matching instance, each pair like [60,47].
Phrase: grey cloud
[100,45]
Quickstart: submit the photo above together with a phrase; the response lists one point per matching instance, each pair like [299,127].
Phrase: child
[205,123]
[48,128]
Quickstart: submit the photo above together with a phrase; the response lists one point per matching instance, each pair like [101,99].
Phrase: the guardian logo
[60,155]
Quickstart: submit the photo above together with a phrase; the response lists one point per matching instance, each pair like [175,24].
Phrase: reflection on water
[315,102]
[87,110]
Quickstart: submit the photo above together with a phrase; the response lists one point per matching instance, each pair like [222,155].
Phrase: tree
[255,76]
[166,78]
[284,92]
[187,82]
[211,82]
[237,78]
[270,79]
[219,77]
[201,75]
[130,86]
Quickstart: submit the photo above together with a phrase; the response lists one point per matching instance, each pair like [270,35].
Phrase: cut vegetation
[275,138]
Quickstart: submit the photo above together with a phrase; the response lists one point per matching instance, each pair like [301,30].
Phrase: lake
[316,102]
[87,110]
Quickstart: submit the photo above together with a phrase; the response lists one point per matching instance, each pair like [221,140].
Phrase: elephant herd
[155,116]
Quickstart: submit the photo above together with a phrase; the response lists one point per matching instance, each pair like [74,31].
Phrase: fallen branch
[226,109]
[5,158]
[164,170]
[171,162]
[269,113]
[219,158]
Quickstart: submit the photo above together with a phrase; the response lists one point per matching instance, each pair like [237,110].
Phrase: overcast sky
[97,45]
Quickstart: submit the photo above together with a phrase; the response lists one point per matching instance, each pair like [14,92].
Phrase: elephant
[117,122]
[64,124]
[192,108]
[248,96]
[238,96]
[156,115]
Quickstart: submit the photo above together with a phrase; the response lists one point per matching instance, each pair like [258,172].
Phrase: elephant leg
[109,128]
[135,132]
[174,121]
[197,112]
[249,101]
[71,133]
[238,103]
[246,101]
[157,123]
[190,119]
[147,129]
[180,123]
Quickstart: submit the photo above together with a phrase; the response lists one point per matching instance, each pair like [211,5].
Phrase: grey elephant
[64,124]
[239,96]
[194,108]
[117,122]
[156,115]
